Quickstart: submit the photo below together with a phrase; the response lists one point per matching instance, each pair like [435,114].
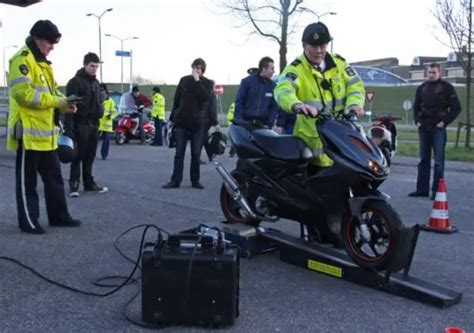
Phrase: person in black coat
[210,119]
[436,106]
[190,106]
[82,126]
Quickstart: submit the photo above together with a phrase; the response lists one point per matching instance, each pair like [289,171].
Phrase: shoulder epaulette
[24,53]
[296,62]
[338,56]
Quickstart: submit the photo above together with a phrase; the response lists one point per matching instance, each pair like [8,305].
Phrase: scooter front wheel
[372,238]
[120,138]
[230,208]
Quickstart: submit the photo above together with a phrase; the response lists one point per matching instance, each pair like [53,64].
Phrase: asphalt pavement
[275,297]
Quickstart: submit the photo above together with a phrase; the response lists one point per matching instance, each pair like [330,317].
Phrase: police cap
[316,34]
[45,29]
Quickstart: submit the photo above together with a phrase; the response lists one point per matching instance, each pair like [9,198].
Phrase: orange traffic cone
[439,218]
[454,330]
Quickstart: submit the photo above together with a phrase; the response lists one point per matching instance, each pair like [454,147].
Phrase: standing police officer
[158,114]
[107,121]
[32,130]
[317,80]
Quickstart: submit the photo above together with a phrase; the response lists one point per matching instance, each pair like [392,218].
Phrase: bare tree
[138,79]
[272,19]
[455,18]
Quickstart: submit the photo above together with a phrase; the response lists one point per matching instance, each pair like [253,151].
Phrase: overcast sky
[174,32]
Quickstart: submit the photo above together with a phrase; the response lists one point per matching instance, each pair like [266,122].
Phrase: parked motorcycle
[128,129]
[384,135]
[340,205]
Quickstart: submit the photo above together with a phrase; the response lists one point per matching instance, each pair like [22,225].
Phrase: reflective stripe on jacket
[34,95]
[336,88]
[158,106]
[110,112]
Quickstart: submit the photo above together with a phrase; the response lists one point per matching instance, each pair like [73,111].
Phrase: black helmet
[216,144]
[170,135]
[66,150]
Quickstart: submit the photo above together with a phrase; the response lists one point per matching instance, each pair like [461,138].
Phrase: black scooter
[339,205]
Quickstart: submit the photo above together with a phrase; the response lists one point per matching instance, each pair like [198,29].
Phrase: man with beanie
[82,126]
[317,81]
[33,131]
[191,100]
[436,106]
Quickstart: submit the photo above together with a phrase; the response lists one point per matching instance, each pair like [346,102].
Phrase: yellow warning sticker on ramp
[325,268]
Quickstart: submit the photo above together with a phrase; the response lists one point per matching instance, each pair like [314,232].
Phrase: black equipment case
[190,279]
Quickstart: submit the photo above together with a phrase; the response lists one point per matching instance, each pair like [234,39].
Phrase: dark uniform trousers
[28,164]
[86,136]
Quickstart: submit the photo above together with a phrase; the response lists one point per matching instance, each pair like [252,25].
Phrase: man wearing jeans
[191,102]
[436,105]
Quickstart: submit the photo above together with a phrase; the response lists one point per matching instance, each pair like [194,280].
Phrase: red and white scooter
[384,135]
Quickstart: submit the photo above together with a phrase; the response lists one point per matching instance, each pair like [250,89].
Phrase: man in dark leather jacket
[436,105]
[191,101]
[83,125]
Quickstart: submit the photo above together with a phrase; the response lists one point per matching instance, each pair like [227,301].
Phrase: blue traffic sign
[122,53]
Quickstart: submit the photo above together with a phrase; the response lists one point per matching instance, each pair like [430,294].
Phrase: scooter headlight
[375,166]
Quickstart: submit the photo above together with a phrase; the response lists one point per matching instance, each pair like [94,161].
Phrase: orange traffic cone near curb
[439,218]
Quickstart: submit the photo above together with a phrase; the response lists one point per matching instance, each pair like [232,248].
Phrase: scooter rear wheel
[231,209]
[383,224]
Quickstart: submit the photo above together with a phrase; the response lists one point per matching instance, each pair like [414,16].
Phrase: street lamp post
[5,91]
[100,35]
[121,58]
[319,19]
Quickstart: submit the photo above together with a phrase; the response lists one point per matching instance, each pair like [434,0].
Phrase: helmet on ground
[216,144]
[66,150]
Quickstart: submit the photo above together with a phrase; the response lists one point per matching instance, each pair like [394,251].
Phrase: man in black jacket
[191,102]
[436,105]
[83,125]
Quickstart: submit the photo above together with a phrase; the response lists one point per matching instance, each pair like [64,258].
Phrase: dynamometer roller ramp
[336,263]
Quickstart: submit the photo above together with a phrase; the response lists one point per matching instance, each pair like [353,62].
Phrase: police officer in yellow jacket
[230,118]
[317,80]
[32,130]
[158,115]
[107,120]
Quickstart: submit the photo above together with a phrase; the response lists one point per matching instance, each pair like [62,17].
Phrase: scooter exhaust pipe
[232,187]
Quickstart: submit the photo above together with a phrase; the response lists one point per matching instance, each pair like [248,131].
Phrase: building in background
[388,71]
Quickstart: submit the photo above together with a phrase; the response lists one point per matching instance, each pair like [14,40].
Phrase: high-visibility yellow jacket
[34,95]
[336,88]
[158,106]
[110,112]
[230,113]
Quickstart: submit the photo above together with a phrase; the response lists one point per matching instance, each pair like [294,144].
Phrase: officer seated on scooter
[315,81]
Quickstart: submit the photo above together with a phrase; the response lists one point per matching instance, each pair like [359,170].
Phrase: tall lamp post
[121,58]
[5,91]
[100,35]
[319,19]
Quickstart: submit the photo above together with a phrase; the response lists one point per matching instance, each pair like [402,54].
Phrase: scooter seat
[284,147]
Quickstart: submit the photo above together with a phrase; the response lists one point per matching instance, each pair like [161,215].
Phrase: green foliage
[452,153]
